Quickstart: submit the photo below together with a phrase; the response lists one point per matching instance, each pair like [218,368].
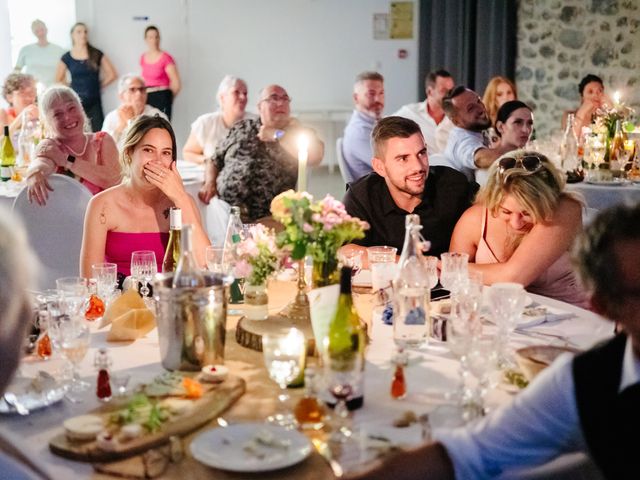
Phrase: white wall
[314,48]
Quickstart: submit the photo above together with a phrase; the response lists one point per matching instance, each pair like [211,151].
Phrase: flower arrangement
[315,228]
[607,116]
[258,255]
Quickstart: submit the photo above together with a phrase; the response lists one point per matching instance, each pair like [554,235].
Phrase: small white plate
[223,448]
[607,183]
[32,400]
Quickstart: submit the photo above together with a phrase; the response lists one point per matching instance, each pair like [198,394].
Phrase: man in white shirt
[40,59]
[429,114]
[133,95]
[368,95]
[466,150]
[584,403]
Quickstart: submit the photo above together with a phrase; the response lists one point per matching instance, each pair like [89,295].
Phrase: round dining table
[602,196]
[432,371]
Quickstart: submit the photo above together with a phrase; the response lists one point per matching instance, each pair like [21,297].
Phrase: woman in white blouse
[209,129]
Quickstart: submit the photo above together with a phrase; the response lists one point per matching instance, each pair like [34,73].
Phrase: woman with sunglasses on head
[522,226]
[134,215]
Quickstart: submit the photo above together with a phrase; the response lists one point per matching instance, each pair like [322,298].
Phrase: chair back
[341,163]
[55,229]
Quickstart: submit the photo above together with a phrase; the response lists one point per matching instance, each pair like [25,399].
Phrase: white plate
[223,448]
[31,399]
[610,183]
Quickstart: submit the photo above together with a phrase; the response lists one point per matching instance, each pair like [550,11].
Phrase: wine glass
[431,266]
[143,268]
[283,355]
[106,276]
[480,360]
[454,269]
[73,292]
[506,302]
[73,337]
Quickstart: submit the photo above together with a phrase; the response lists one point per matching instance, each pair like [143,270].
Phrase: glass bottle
[346,343]
[616,149]
[188,274]
[172,253]
[7,157]
[102,362]
[569,146]
[43,344]
[399,383]
[309,412]
[411,289]
[231,241]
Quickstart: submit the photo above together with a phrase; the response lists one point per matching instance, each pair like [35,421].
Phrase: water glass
[506,302]
[144,268]
[214,257]
[431,266]
[74,336]
[106,275]
[455,270]
[382,263]
[352,259]
[73,292]
[120,380]
[283,356]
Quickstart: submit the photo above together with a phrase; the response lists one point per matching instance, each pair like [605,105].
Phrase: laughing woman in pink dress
[522,226]
[90,157]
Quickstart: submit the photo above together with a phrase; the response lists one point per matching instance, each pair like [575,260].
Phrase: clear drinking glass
[352,259]
[143,268]
[73,293]
[480,360]
[382,263]
[506,302]
[73,337]
[410,314]
[283,354]
[454,269]
[431,265]
[106,275]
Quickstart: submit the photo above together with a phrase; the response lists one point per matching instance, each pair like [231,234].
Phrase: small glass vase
[326,272]
[256,301]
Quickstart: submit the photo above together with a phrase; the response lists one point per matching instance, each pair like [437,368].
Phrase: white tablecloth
[605,196]
[433,370]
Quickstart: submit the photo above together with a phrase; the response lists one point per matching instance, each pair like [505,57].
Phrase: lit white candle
[616,98]
[303,155]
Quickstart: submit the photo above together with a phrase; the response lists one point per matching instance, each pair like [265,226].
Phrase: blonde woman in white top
[211,128]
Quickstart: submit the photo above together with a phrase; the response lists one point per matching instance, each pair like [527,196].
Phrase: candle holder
[298,310]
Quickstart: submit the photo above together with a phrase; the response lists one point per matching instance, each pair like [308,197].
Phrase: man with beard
[466,150]
[403,183]
[133,95]
[368,95]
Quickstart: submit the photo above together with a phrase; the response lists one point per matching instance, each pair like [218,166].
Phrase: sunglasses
[530,163]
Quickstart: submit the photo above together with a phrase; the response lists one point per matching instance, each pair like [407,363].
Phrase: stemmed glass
[143,268]
[107,279]
[481,360]
[506,301]
[454,269]
[431,266]
[73,292]
[283,355]
[73,336]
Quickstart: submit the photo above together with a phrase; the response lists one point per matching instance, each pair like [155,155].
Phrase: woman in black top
[90,71]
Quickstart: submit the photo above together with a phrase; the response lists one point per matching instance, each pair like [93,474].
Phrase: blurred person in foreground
[90,157]
[17,270]
[133,103]
[210,129]
[134,215]
[522,226]
[585,403]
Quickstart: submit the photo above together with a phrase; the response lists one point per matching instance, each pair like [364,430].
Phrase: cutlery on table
[12,400]
[537,334]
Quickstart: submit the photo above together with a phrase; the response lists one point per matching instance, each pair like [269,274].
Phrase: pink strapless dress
[120,245]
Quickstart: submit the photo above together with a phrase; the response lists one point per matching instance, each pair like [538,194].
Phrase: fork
[12,400]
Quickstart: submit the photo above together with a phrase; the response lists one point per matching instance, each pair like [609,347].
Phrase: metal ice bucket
[191,322]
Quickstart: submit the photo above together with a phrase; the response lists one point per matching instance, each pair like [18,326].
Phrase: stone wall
[560,41]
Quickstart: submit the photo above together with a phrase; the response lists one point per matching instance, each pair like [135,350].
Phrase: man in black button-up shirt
[403,183]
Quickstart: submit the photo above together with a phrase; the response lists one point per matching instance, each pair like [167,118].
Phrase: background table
[432,371]
[605,196]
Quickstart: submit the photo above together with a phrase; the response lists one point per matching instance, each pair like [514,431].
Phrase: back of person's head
[391,127]
[587,80]
[15,81]
[17,269]
[536,185]
[226,84]
[432,77]
[447,102]
[364,76]
[123,82]
[136,131]
[54,95]
[594,255]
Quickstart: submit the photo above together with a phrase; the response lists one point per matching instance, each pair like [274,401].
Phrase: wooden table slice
[215,400]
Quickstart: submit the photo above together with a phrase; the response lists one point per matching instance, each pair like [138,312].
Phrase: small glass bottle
[172,253]
[43,344]
[309,411]
[399,383]
[102,362]
[569,146]
[231,241]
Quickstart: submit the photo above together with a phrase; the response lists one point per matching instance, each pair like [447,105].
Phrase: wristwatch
[278,134]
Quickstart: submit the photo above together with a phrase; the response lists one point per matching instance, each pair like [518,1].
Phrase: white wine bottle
[188,274]
[346,342]
[172,253]
[7,157]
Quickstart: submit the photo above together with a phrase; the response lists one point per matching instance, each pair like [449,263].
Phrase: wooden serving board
[215,400]
[249,332]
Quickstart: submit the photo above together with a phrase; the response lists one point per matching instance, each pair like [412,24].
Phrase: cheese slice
[83,427]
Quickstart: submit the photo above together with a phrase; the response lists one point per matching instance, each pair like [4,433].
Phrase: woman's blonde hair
[538,192]
[59,93]
[489,98]
[138,129]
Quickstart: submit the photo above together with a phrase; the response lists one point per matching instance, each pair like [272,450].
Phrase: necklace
[84,149]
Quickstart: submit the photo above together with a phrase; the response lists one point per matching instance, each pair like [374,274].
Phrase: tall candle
[303,155]
[616,98]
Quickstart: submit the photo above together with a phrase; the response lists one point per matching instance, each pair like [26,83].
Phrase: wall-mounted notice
[381,26]
[401,21]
